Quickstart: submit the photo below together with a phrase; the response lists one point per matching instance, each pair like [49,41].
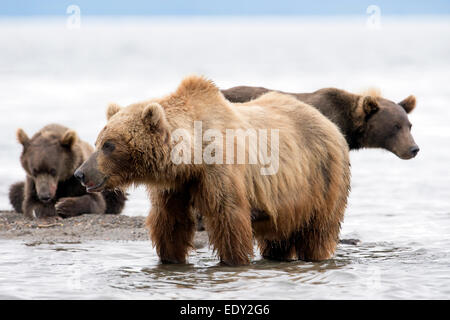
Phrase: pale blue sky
[224,7]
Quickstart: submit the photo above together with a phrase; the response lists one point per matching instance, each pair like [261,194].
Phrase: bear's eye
[53,172]
[397,127]
[108,147]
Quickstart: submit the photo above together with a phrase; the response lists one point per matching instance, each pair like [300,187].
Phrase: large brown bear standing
[367,120]
[50,158]
[304,198]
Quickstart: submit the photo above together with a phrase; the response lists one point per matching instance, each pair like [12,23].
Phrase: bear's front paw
[67,207]
[29,214]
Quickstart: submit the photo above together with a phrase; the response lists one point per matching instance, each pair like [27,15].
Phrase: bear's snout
[89,175]
[414,151]
[45,187]
[91,184]
[45,197]
[80,176]
[408,152]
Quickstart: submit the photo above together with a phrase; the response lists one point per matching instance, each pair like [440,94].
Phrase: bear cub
[49,159]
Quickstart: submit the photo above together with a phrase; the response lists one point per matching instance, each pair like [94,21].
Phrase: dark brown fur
[16,195]
[49,158]
[114,199]
[367,121]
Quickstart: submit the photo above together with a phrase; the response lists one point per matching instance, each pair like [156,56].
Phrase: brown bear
[303,188]
[367,120]
[50,158]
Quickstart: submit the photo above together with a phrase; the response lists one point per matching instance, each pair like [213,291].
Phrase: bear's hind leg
[231,236]
[280,250]
[318,242]
[171,225]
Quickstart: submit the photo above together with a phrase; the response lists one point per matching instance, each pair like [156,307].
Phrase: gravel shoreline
[109,227]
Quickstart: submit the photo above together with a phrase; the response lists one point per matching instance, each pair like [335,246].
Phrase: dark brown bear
[367,121]
[50,158]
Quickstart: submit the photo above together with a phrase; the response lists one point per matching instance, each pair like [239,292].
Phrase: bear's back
[289,113]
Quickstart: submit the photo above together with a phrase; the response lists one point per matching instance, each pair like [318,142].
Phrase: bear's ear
[112,109]
[22,137]
[408,103]
[369,107]
[154,116]
[69,138]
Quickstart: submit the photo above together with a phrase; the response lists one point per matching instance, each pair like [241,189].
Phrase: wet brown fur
[305,200]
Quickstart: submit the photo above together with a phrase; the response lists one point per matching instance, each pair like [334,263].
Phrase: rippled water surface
[400,210]
[128,270]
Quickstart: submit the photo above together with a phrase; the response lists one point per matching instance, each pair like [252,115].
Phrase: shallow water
[400,210]
[131,270]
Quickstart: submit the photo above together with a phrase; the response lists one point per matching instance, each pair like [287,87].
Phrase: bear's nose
[414,150]
[45,197]
[79,175]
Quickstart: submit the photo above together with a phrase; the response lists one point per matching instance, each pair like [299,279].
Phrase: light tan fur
[112,109]
[69,138]
[409,103]
[371,92]
[305,199]
[22,137]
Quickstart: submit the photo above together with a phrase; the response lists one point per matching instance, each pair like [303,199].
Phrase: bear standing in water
[304,198]
[367,120]
[50,158]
